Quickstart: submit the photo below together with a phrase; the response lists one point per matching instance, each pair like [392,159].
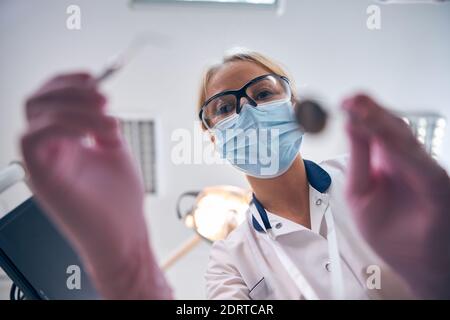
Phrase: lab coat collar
[318,179]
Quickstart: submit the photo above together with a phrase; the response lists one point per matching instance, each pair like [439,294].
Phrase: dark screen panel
[41,254]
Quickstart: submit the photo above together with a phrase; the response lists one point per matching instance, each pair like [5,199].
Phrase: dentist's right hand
[92,191]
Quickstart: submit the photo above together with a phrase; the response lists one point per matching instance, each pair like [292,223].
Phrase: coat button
[318,202]
[328,266]
[278,225]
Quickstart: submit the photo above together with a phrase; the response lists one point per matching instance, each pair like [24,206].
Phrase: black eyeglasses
[259,91]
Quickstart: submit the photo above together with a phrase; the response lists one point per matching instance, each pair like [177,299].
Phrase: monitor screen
[38,258]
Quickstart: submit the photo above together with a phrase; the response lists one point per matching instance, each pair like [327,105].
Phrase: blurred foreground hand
[84,177]
[399,197]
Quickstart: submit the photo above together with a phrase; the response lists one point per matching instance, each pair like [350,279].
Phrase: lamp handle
[181,251]
[186,194]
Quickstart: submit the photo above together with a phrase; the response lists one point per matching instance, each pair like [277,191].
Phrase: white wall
[324,43]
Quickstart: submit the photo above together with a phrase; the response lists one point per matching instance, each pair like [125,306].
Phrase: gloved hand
[90,187]
[399,197]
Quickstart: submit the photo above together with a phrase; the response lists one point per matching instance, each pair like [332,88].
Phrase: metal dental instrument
[117,62]
[310,115]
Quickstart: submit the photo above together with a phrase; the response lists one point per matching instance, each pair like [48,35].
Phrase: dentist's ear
[211,135]
[212,138]
[293,100]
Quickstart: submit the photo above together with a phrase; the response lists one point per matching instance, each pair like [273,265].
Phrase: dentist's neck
[286,195]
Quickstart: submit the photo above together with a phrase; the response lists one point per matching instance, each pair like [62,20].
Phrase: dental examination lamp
[216,212]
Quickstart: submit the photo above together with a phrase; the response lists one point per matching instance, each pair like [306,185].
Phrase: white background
[324,43]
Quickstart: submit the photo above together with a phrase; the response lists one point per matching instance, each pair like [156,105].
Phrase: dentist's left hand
[399,197]
[92,191]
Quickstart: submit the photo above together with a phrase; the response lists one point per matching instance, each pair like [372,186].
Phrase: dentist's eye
[263,95]
[224,109]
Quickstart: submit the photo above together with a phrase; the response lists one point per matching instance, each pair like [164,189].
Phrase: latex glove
[92,191]
[399,197]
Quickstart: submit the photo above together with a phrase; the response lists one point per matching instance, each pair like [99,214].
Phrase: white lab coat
[245,266]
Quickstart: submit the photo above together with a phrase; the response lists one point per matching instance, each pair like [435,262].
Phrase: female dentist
[298,241]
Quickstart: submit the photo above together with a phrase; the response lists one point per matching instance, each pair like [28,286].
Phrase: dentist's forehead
[233,75]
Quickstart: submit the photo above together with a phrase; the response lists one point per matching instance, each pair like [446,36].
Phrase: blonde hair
[241,54]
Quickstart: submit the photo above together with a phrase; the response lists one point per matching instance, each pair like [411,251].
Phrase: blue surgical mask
[260,141]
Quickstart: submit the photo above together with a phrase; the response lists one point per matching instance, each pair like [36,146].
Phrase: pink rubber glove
[400,197]
[92,191]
